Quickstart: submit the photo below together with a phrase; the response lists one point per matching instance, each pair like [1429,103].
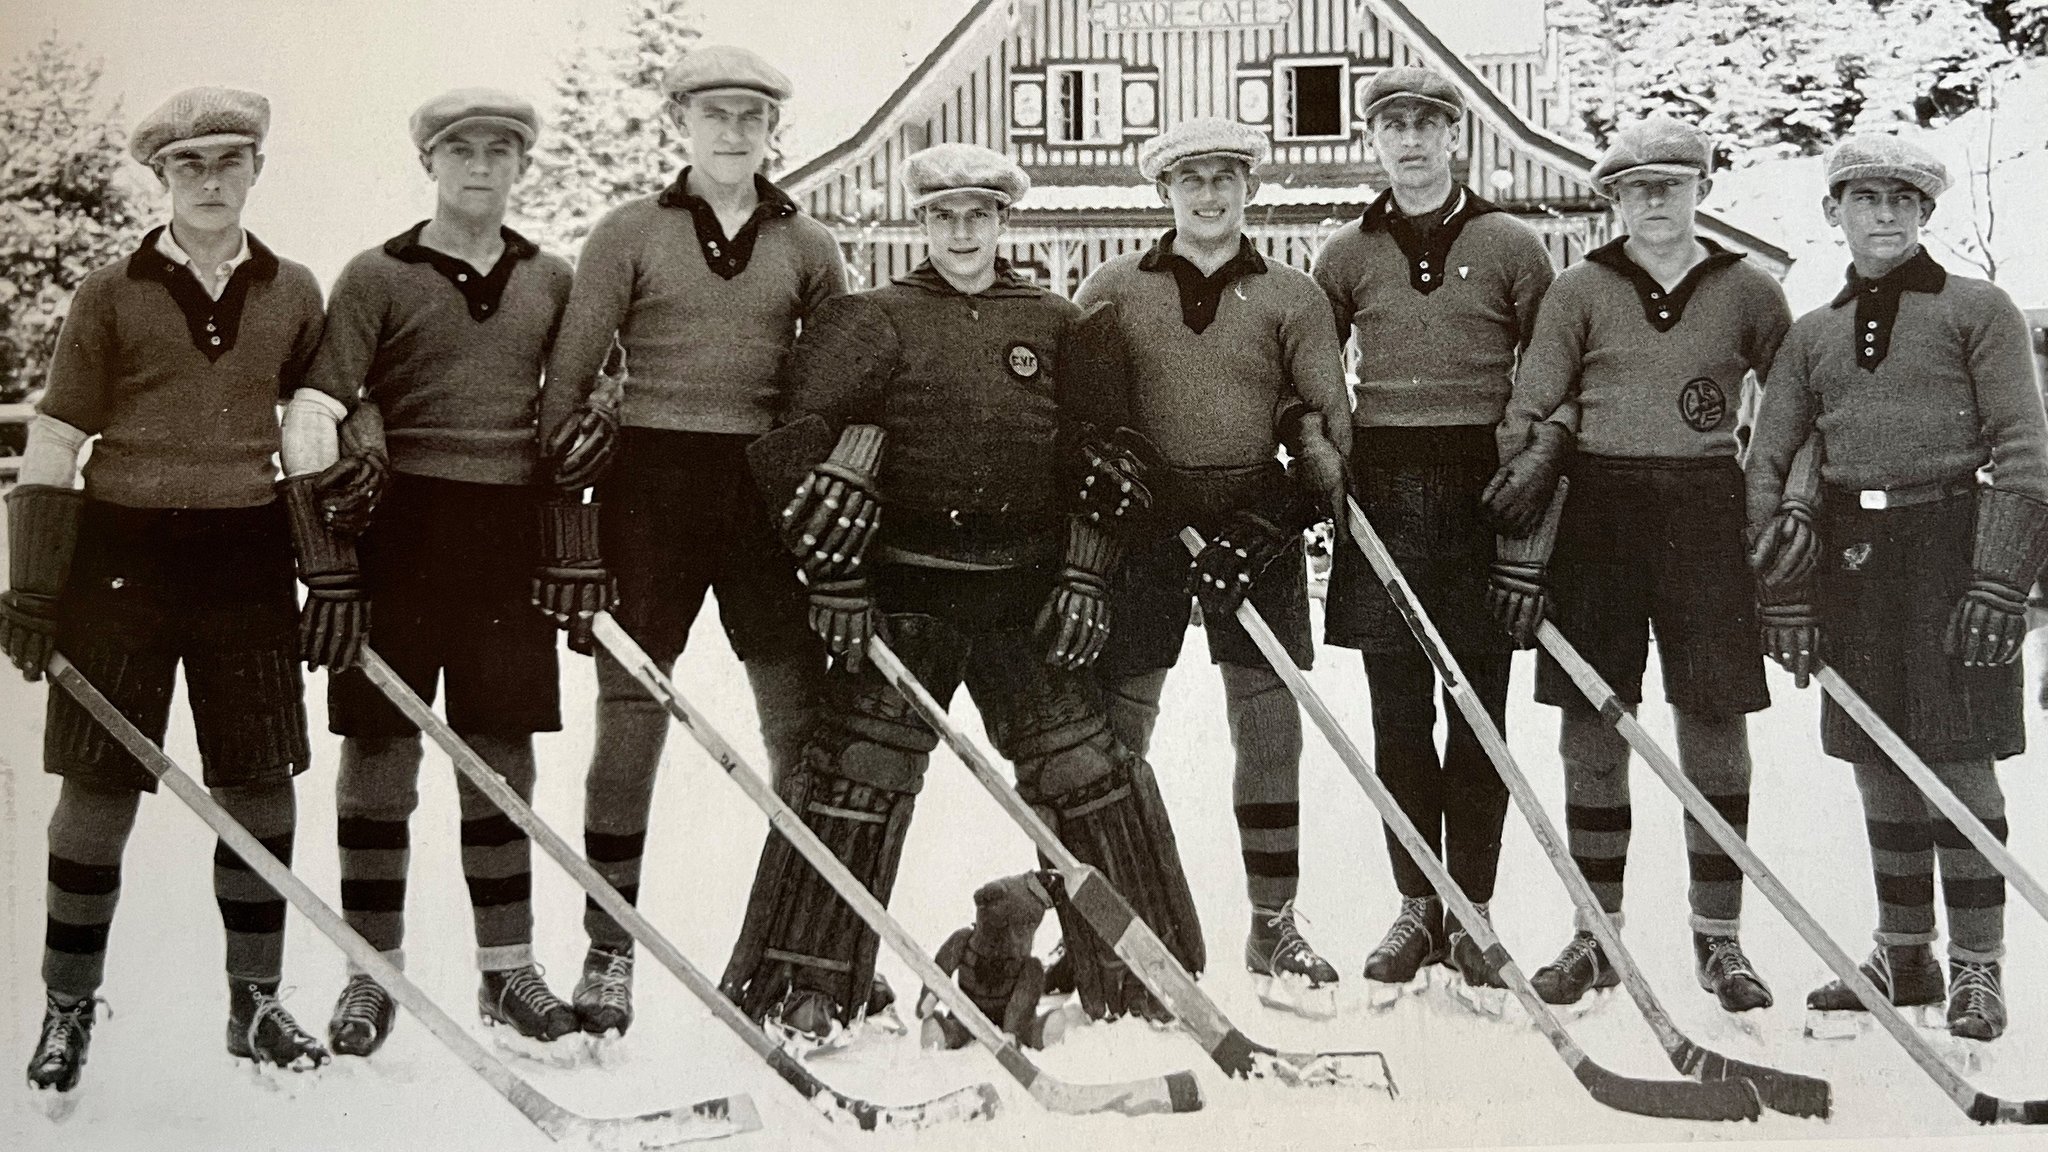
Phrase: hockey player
[1230,355]
[179,549]
[1638,359]
[1439,289]
[704,284]
[942,400]
[444,329]
[1919,598]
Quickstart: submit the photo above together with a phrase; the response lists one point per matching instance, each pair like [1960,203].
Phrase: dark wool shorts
[213,588]
[1657,544]
[1888,581]
[1150,606]
[682,517]
[450,567]
[1420,489]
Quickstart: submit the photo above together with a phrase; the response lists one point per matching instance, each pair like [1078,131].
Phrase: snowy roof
[1482,28]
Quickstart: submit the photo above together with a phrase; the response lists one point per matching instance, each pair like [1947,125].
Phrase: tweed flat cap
[201,116]
[1655,144]
[1202,136]
[1871,156]
[717,69]
[465,107]
[1420,84]
[943,169]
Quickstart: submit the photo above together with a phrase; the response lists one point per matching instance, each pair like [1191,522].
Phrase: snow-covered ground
[159,1079]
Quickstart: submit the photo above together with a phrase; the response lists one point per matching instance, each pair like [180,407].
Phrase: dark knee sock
[1475,799]
[619,791]
[1714,753]
[375,794]
[1971,888]
[786,700]
[1597,818]
[497,860]
[250,910]
[87,833]
[1265,730]
[1901,854]
[1403,692]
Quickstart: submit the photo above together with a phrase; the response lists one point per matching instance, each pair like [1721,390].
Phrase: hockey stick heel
[1672,1099]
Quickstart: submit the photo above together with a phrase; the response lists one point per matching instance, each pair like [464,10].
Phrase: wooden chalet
[1071,88]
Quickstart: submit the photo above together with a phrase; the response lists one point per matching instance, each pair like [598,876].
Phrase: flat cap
[201,116]
[944,169]
[465,107]
[1420,84]
[1202,136]
[718,69]
[1871,156]
[1657,144]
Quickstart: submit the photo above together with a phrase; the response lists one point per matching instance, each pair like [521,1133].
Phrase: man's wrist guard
[42,531]
[569,542]
[1093,552]
[2011,547]
[326,561]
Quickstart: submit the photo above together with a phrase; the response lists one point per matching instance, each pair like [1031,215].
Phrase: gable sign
[1190,15]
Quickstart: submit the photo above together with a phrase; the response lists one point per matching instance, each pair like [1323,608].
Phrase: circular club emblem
[1702,404]
[1023,361]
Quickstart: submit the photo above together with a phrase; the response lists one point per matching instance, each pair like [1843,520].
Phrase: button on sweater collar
[1877,304]
[482,292]
[1425,239]
[727,256]
[212,324]
[1201,295]
[1662,310]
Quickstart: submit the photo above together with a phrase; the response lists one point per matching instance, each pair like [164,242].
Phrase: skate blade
[1367,1070]
[1591,1002]
[1383,997]
[290,1081]
[604,1051]
[1480,999]
[1973,1055]
[565,1053]
[1293,993]
[55,1106]
[1847,1024]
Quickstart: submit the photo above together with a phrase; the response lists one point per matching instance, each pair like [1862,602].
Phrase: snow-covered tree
[607,139]
[66,207]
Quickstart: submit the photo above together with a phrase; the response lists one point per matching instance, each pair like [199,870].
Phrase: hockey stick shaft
[1680,1048]
[1175,1093]
[1113,918]
[1690,1099]
[711,1119]
[1923,777]
[789,1068]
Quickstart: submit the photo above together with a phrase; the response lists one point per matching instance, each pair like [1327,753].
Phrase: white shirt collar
[168,246]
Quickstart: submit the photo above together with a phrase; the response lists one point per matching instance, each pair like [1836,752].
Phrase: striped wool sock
[88,831]
[251,912]
[497,860]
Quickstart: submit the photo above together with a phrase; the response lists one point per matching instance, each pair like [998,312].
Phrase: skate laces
[62,1023]
[270,1006]
[1406,925]
[527,986]
[1976,985]
[613,982]
[1725,952]
[361,1002]
[1287,939]
[1583,949]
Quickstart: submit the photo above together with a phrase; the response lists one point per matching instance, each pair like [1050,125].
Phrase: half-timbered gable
[1071,88]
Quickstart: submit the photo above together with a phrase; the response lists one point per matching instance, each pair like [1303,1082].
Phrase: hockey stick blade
[974,1102]
[1678,1047]
[1134,941]
[711,1119]
[1176,1092]
[1788,1092]
[1675,1099]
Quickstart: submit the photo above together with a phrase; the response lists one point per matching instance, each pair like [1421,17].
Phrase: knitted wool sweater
[182,390]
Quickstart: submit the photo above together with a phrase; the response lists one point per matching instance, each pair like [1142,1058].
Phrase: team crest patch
[1702,404]
[1855,556]
[1023,361]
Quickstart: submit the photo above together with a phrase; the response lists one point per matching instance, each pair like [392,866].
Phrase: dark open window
[1312,101]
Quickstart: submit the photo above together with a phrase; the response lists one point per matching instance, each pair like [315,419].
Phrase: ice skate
[261,1031]
[1286,973]
[1907,973]
[1479,986]
[1723,970]
[877,1019]
[1400,964]
[604,995]
[363,1017]
[525,1017]
[59,1059]
[1580,968]
[1976,1000]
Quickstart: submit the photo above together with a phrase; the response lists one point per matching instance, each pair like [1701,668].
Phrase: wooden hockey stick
[1686,1056]
[1977,1105]
[974,1102]
[1134,941]
[1923,777]
[1175,1092]
[1718,1098]
[708,1120]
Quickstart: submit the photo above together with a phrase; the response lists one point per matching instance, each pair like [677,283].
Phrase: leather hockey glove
[571,585]
[350,487]
[1518,590]
[42,531]
[1222,574]
[1520,491]
[1074,624]
[1989,623]
[582,447]
[1113,468]
[1791,635]
[844,616]
[836,511]
[1319,471]
[1783,552]
[334,623]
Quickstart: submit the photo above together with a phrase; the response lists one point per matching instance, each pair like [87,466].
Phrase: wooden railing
[10,466]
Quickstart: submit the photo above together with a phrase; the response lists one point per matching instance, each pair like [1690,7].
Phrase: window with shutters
[1312,100]
[1087,104]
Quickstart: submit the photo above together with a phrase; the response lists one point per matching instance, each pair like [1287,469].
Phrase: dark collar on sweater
[1007,283]
[1426,239]
[1662,310]
[213,324]
[481,292]
[1200,295]
[1877,303]
[727,257]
